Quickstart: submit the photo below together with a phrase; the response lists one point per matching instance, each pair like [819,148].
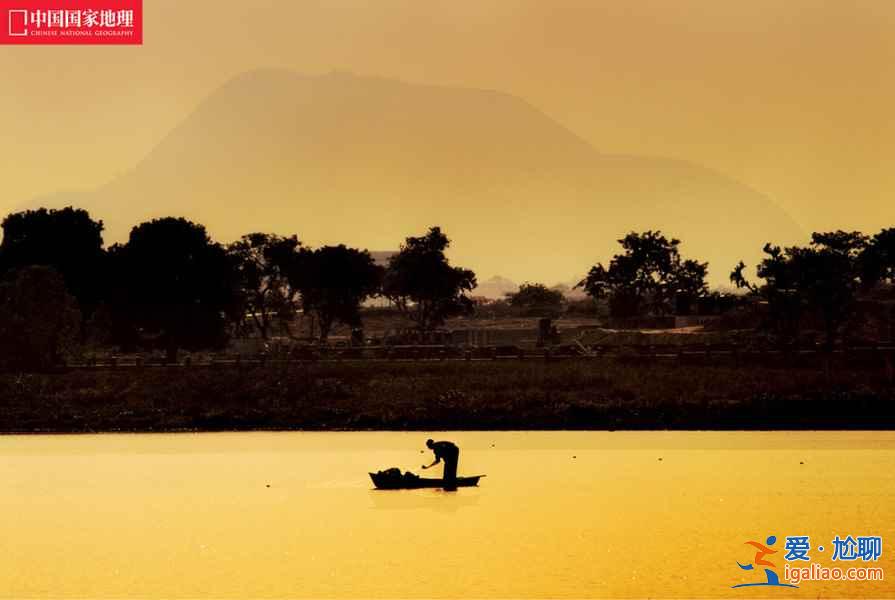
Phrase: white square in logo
[24,31]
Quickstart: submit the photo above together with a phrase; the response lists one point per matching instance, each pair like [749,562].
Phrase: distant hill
[380,257]
[570,291]
[368,161]
[495,287]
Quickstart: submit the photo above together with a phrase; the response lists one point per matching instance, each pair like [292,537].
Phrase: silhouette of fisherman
[450,454]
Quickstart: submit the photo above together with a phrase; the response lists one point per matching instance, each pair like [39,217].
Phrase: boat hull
[405,483]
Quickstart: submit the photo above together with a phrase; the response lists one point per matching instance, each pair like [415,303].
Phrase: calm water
[559,514]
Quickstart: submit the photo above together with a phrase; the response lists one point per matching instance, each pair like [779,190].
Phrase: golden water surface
[560,514]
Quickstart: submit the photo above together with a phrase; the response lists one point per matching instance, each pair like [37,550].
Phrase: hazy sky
[794,98]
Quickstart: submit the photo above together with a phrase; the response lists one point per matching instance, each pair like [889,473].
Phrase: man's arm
[434,462]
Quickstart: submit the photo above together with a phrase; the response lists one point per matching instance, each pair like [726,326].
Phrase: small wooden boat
[388,480]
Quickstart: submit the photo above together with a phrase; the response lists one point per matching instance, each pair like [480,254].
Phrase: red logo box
[71,22]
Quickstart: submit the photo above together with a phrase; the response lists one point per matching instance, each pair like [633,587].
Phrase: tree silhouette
[823,278]
[422,283]
[647,278]
[265,268]
[334,281]
[39,319]
[176,284]
[67,240]
[877,258]
[536,299]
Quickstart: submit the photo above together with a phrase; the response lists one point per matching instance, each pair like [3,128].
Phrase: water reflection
[427,499]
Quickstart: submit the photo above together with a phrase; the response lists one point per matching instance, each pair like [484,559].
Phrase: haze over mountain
[369,161]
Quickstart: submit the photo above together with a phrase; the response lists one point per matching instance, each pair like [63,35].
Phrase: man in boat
[450,454]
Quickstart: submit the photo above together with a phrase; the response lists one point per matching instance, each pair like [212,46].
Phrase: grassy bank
[572,394]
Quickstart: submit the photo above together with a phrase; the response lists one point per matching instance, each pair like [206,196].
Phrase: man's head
[430,442]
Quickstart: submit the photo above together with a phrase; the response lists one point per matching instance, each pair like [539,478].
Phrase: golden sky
[793,98]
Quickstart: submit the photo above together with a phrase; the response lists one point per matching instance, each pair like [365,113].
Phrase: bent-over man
[450,454]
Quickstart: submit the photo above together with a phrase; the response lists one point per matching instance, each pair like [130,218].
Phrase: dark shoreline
[383,430]
[605,394]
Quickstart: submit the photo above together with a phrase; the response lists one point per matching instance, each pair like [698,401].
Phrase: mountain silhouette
[366,161]
[495,287]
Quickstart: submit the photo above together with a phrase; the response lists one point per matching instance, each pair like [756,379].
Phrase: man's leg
[450,472]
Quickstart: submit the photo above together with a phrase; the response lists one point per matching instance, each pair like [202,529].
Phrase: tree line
[818,283]
[171,286]
[823,280]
